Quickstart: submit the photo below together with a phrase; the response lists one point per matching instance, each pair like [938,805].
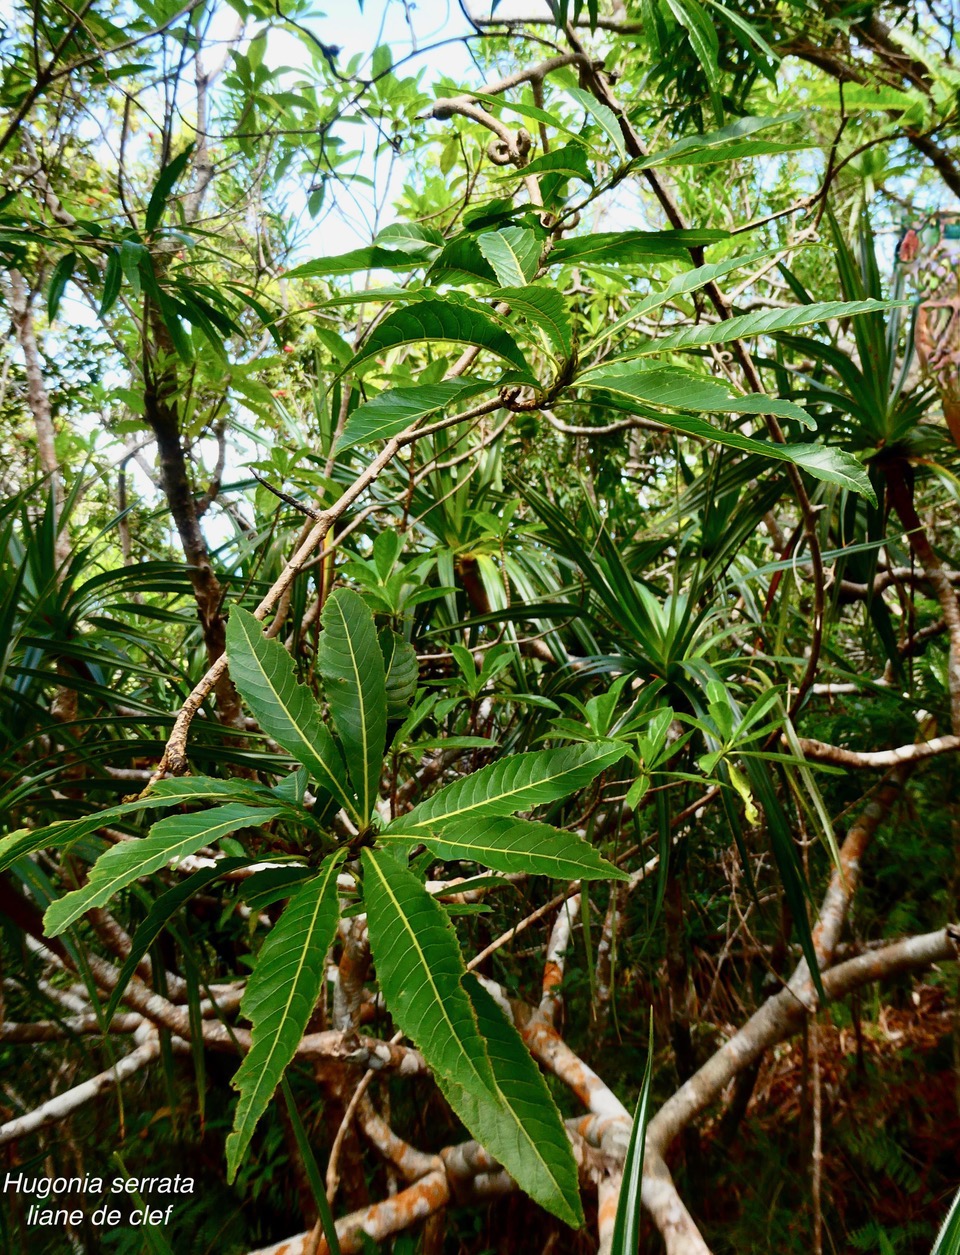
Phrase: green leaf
[630,248]
[389,413]
[112,276]
[164,186]
[512,784]
[833,465]
[683,390]
[420,970]
[626,1226]
[703,39]
[726,144]
[371,258]
[351,664]
[948,1239]
[514,254]
[156,919]
[280,997]
[59,279]
[162,794]
[286,711]
[571,159]
[545,308]
[168,839]
[761,323]
[436,319]
[690,281]
[516,845]
[522,1128]
[401,672]
[604,116]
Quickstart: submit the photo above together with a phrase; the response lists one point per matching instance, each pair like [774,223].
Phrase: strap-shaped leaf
[389,413]
[545,308]
[420,969]
[508,844]
[626,1227]
[285,710]
[279,999]
[350,661]
[602,114]
[523,1129]
[168,839]
[514,254]
[401,672]
[437,319]
[512,784]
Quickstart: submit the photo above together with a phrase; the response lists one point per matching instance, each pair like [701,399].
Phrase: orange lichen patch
[552,976]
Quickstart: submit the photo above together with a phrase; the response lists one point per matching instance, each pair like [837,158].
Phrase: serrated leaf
[372,257]
[833,465]
[164,793]
[683,390]
[280,997]
[389,413]
[948,1239]
[410,236]
[172,838]
[507,844]
[401,672]
[351,664]
[630,248]
[420,969]
[571,159]
[721,145]
[705,43]
[545,308]
[690,281]
[522,1128]
[436,319]
[514,254]
[518,782]
[286,711]
[763,322]
[603,115]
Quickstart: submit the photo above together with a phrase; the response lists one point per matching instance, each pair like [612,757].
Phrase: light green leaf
[420,969]
[280,997]
[545,308]
[761,323]
[690,281]
[630,248]
[726,144]
[285,710]
[603,115]
[372,257]
[401,672]
[571,159]
[435,319]
[389,413]
[683,390]
[508,844]
[514,254]
[168,839]
[512,784]
[351,664]
[523,1129]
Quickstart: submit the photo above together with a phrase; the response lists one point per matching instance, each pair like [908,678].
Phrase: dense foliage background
[480,492]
